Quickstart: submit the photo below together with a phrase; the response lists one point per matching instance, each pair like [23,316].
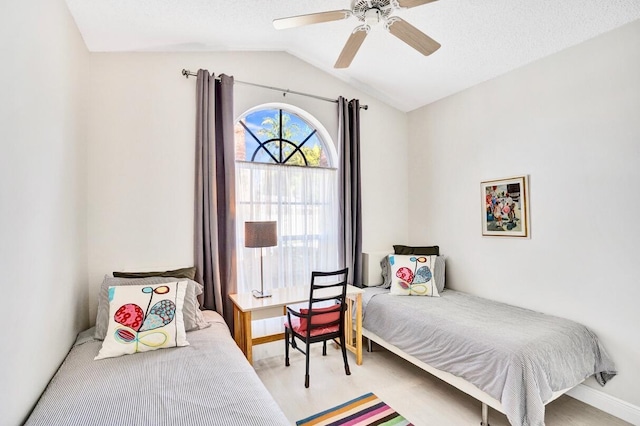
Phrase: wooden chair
[319,324]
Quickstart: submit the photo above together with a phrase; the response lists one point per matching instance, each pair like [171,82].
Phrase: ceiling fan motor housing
[373,11]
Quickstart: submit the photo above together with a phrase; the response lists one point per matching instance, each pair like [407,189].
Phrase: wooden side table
[247,308]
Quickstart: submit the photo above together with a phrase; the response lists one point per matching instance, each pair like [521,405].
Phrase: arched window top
[283,134]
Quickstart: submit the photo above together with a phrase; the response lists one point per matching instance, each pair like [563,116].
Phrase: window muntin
[279,136]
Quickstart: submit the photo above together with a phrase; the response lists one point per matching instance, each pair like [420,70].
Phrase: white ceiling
[480,39]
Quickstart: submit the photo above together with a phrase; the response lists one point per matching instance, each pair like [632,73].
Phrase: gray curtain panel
[215,222]
[350,193]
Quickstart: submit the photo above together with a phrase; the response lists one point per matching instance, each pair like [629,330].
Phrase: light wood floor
[420,397]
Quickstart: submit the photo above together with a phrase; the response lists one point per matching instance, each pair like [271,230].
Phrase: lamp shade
[260,234]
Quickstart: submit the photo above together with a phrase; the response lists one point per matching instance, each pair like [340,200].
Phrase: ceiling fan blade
[412,36]
[413,3]
[351,48]
[312,18]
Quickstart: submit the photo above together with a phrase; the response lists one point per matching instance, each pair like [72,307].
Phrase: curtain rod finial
[185,73]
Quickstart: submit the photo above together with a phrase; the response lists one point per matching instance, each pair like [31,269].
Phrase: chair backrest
[322,284]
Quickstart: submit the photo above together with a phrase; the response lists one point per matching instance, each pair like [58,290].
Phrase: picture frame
[505,207]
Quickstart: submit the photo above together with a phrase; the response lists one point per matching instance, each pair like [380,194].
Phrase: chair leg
[286,347]
[344,356]
[324,348]
[306,376]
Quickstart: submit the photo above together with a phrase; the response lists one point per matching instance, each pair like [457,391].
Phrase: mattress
[517,356]
[208,382]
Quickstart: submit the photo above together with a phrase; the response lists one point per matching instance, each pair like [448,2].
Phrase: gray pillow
[438,274]
[386,272]
[423,250]
[193,319]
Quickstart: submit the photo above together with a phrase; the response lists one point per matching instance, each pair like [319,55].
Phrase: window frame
[288,242]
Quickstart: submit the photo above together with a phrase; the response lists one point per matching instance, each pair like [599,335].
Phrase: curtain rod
[188,73]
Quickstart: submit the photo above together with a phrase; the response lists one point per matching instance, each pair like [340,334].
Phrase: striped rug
[367,410]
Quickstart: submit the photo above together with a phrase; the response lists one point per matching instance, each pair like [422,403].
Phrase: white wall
[42,199]
[141,129]
[572,122]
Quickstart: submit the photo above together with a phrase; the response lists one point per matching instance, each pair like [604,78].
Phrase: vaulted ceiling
[480,39]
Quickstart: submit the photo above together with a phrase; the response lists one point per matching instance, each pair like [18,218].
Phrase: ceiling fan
[370,13]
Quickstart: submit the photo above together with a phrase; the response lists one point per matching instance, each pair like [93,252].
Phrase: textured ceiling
[480,39]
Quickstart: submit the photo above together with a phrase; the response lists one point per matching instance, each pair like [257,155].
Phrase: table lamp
[259,235]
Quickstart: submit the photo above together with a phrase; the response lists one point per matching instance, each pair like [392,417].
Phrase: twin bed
[512,359]
[208,382]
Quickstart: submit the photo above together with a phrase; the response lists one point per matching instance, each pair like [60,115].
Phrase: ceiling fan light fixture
[372,16]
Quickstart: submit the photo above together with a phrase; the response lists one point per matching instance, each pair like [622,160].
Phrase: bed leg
[485,415]
[369,345]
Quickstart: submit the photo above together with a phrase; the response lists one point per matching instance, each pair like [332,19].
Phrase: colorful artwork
[505,207]
[138,326]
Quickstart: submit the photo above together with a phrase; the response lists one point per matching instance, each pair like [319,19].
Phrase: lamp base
[260,294]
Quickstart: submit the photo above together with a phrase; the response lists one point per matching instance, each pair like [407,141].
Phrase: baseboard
[607,403]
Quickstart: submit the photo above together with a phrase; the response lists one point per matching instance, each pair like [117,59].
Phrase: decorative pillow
[413,275]
[144,318]
[193,319]
[176,273]
[424,251]
[438,273]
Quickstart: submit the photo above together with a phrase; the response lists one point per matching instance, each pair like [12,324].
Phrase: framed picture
[505,207]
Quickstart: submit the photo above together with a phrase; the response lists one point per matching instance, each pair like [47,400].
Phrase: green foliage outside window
[263,140]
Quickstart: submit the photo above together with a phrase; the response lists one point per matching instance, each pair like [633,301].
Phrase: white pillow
[193,319]
[144,318]
[438,273]
[413,275]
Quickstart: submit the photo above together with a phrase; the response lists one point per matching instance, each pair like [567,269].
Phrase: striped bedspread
[517,356]
[207,383]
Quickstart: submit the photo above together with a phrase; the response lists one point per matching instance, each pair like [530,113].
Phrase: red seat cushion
[329,315]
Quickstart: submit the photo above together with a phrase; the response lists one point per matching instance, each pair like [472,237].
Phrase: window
[278,136]
[285,172]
